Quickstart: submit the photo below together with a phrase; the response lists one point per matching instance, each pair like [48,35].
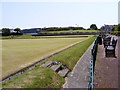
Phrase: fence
[92,63]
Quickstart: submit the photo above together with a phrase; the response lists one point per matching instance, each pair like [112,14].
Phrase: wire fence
[92,64]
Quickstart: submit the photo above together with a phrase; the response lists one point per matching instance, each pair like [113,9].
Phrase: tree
[93,26]
[5,31]
[118,27]
[116,30]
[17,30]
[113,28]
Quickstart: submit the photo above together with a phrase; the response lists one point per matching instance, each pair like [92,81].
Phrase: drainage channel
[10,77]
[20,72]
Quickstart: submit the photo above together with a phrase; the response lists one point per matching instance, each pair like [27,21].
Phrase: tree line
[62,28]
[93,27]
[7,32]
[116,30]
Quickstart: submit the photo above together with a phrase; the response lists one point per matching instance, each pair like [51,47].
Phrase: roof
[34,30]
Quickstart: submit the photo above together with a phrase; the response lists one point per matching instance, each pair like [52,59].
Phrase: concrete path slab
[47,64]
[55,67]
[64,72]
[79,77]
[106,69]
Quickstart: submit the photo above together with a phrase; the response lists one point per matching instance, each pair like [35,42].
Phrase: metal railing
[92,63]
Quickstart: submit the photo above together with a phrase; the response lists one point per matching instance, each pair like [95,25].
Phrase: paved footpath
[106,69]
[79,77]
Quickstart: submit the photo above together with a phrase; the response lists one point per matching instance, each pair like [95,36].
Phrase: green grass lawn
[66,36]
[39,37]
[19,53]
[46,78]
[70,31]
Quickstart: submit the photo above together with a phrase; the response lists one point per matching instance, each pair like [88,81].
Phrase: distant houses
[33,31]
[107,28]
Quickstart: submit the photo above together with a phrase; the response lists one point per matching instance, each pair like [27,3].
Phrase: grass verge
[41,37]
[72,55]
[73,31]
[45,77]
[37,78]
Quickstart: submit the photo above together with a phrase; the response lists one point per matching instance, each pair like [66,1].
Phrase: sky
[39,14]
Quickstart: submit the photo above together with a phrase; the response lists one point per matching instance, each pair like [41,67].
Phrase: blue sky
[61,14]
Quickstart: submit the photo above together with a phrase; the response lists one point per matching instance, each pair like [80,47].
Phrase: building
[107,28]
[33,31]
[12,31]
